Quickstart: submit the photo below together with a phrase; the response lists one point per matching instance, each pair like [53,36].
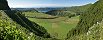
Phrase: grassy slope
[93,15]
[23,21]
[70,11]
[11,30]
[95,32]
[56,27]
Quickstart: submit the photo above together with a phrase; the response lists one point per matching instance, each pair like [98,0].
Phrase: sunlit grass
[58,27]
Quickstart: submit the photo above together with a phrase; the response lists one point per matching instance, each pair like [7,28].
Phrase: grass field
[57,27]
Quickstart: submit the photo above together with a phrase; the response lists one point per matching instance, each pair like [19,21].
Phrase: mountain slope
[11,30]
[93,15]
[22,20]
[69,11]
[4,5]
[95,32]
[33,27]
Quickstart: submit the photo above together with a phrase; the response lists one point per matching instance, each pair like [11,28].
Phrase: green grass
[58,27]
[36,14]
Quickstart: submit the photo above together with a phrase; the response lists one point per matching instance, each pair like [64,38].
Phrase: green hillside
[95,32]
[4,5]
[70,23]
[61,13]
[10,29]
[92,16]
[79,9]
[33,27]
[69,11]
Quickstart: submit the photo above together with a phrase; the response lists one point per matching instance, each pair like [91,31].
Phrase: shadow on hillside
[24,22]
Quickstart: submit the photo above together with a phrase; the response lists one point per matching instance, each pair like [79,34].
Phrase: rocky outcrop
[4,5]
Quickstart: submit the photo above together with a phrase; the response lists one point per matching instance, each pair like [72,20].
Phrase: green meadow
[57,27]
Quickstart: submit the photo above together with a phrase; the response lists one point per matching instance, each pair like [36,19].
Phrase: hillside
[69,11]
[14,25]
[4,5]
[11,30]
[61,13]
[92,16]
[95,32]
[23,21]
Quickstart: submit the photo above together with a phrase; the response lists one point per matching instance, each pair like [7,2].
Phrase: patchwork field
[58,27]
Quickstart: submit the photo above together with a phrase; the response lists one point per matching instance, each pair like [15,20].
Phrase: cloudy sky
[47,3]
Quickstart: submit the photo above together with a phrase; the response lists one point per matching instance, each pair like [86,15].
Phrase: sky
[47,3]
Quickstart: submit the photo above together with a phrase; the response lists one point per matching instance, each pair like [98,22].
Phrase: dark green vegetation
[95,32]
[4,5]
[10,30]
[61,13]
[92,16]
[33,27]
[15,26]
[69,11]
[78,9]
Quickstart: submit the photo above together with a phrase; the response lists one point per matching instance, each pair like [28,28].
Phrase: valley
[83,22]
[57,27]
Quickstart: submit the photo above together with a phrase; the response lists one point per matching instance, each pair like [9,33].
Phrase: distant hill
[61,13]
[16,16]
[69,11]
[23,21]
[45,9]
[79,9]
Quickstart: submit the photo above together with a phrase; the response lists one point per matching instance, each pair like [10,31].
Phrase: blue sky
[47,3]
